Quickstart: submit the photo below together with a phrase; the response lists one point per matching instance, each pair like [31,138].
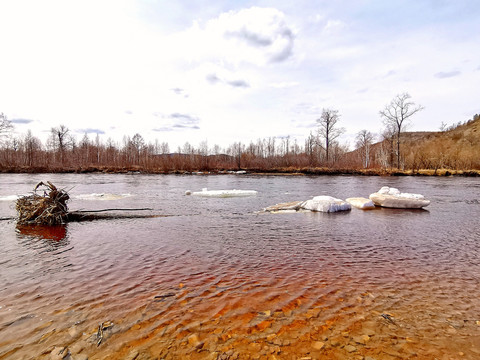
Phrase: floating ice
[393,198]
[395,192]
[10,197]
[101,196]
[285,207]
[224,193]
[361,203]
[326,204]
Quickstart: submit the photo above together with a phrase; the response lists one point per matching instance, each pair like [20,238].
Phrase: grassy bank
[281,171]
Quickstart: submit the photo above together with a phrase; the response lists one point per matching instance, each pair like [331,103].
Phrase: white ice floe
[224,193]
[326,204]
[101,196]
[361,203]
[10,197]
[395,192]
[393,198]
[287,207]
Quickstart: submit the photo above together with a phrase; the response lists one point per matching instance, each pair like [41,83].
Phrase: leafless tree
[60,140]
[364,142]
[32,145]
[5,124]
[236,150]
[137,146]
[164,148]
[396,116]
[328,130]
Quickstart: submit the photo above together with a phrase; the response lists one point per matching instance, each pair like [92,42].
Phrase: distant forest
[456,147]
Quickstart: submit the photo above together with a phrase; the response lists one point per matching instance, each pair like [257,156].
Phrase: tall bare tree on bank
[5,124]
[364,142]
[396,115]
[60,140]
[328,130]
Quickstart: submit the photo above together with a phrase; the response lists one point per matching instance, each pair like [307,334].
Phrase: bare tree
[5,124]
[60,140]
[137,146]
[396,115]
[328,130]
[164,148]
[236,150]
[364,142]
[385,153]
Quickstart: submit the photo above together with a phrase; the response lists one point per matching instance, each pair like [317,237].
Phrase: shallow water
[217,279]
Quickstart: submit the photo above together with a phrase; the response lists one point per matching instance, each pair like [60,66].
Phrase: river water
[219,279]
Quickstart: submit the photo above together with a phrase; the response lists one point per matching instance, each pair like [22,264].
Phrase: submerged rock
[326,204]
[361,203]
[393,198]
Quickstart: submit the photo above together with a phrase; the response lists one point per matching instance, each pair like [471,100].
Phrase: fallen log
[77,216]
[50,208]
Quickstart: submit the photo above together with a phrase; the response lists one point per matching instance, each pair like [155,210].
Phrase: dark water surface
[220,280]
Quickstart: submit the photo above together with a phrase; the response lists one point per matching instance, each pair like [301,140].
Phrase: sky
[228,71]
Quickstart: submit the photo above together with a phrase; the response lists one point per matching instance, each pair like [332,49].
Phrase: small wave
[101,196]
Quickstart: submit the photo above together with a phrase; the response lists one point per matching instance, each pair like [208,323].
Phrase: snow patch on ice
[361,203]
[393,198]
[10,197]
[291,206]
[395,192]
[326,204]
[224,193]
[101,196]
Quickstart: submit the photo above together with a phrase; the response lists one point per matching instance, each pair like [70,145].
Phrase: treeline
[456,148]
[62,152]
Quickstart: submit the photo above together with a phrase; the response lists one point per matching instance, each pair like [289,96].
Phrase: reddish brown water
[218,280]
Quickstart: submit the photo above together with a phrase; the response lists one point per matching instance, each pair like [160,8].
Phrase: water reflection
[53,237]
[43,232]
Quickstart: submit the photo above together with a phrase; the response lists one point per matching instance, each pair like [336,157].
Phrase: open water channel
[219,280]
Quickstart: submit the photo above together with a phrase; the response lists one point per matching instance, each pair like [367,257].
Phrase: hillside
[456,148]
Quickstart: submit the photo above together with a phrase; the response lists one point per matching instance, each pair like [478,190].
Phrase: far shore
[313,171]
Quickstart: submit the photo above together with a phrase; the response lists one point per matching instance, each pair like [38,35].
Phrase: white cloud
[240,73]
[255,36]
[333,26]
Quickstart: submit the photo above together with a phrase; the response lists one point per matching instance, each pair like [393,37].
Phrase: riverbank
[282,171]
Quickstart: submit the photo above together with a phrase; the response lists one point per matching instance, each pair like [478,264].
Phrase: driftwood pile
[49,208]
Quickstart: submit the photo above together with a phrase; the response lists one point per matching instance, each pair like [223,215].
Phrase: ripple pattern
[220,280]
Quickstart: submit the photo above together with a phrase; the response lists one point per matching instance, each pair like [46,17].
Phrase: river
[219,279]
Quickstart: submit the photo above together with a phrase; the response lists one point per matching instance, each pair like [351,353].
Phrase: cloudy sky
[226,71]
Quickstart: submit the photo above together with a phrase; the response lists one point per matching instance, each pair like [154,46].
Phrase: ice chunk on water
[224,193]
[395,192]
[393,198]
[326,204]
[291,206]
[11,197]
[361,203]
[101,196]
